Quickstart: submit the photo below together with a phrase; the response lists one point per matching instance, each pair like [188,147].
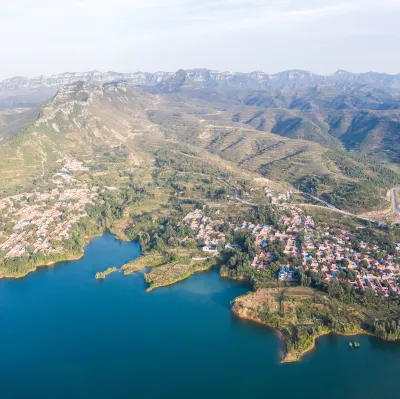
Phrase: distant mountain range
[22,91]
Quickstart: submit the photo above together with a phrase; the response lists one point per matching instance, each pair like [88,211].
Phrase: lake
[64,334]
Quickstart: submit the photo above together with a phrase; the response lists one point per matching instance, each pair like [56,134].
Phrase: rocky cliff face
[92,77]
[25,92]
[287,80]
[110,113]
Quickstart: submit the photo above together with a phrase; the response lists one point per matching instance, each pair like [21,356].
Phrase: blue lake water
[65,335]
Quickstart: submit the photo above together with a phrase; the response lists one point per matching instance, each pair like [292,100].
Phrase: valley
[278,144]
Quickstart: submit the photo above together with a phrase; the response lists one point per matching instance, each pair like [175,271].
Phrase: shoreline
[178,279]
[237,311]
[51,263]
[292,357]
[228,277]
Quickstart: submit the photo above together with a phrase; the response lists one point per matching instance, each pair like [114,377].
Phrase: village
[38,223]
[330,251]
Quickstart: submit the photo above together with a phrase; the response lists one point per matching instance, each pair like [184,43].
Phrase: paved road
[330,206]
[366,218]
[394,201]
[245,202]
[325,205]
[395,208]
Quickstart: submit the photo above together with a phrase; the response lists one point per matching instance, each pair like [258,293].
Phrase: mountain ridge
[281,80]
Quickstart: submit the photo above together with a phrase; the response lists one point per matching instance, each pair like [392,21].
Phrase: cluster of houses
[40,218]
[70,164]
[332,251]
[329,251]
[207,230]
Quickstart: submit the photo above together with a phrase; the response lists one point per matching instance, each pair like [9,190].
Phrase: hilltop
[356,112]
[124,123]
[288,80]
[23,91]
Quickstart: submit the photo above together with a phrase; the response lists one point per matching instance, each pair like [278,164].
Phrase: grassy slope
[84,124]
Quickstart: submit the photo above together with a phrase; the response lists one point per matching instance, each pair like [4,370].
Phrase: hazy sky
[54,36]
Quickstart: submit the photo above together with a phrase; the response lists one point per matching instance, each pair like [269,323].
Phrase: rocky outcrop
[287,80]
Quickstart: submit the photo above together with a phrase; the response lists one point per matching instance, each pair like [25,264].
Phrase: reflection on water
[386,346]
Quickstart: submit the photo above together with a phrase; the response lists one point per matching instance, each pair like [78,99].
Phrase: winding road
[325,205]
[395,208]
[333,208]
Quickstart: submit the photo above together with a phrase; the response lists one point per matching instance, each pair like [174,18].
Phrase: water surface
[65,335]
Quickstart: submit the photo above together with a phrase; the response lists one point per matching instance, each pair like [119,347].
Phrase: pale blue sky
[54,36]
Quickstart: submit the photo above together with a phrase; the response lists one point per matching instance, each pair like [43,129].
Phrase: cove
[64,334]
